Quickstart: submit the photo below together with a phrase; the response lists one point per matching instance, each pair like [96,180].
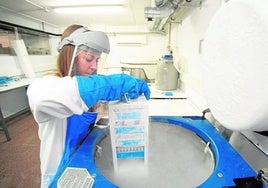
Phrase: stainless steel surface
[177,158]
[143,68]
[252,154]
[138,73]
[260,141]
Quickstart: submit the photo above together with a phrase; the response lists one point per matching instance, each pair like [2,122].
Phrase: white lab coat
[52,99]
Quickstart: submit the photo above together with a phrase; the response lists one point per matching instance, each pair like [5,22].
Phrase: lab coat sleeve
[54,97]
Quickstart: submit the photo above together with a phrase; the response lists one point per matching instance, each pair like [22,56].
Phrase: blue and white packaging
[129,130]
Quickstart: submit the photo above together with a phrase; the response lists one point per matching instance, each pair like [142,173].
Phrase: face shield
[95,42]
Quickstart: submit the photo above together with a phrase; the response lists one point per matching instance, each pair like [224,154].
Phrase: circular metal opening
[177,157]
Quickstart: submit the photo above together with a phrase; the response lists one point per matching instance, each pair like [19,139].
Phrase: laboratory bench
[171,103]
[13,101]
[24,82]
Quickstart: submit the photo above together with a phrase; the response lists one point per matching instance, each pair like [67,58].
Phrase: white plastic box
[129,130]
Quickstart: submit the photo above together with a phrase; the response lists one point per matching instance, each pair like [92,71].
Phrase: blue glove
[143,88]
[114,87]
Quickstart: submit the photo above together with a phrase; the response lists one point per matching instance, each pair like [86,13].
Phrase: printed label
[75,177]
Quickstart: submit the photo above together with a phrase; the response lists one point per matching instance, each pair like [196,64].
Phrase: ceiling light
[90,9]
[67,3]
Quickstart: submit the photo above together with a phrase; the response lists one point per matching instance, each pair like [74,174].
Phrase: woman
[60,101]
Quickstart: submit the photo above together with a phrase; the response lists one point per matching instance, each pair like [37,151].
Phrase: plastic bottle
[166,74]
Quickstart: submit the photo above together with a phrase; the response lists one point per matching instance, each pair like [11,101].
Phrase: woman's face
[86,63]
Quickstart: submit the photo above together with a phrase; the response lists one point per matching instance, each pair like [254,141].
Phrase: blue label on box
[136,154]
[124,130]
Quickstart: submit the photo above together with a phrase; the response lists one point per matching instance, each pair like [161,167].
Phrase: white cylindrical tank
[166,74]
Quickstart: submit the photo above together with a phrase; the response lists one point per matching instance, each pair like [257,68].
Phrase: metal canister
[166,74]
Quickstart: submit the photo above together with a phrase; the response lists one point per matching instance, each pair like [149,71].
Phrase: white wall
[189,36]
[153,48]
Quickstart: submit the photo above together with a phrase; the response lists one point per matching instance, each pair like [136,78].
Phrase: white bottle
[166,74]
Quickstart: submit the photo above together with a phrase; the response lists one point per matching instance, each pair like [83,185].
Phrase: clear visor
[102,64]
[98,59]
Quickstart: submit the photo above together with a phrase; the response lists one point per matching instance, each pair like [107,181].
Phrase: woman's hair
[66,53]
[65,57]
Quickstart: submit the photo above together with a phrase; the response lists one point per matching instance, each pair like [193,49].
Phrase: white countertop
[16,84]
[172,107]
[160,94]
[170,103]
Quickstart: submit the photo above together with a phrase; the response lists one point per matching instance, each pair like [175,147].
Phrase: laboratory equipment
[166,74]
[143,68]
[205,158]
